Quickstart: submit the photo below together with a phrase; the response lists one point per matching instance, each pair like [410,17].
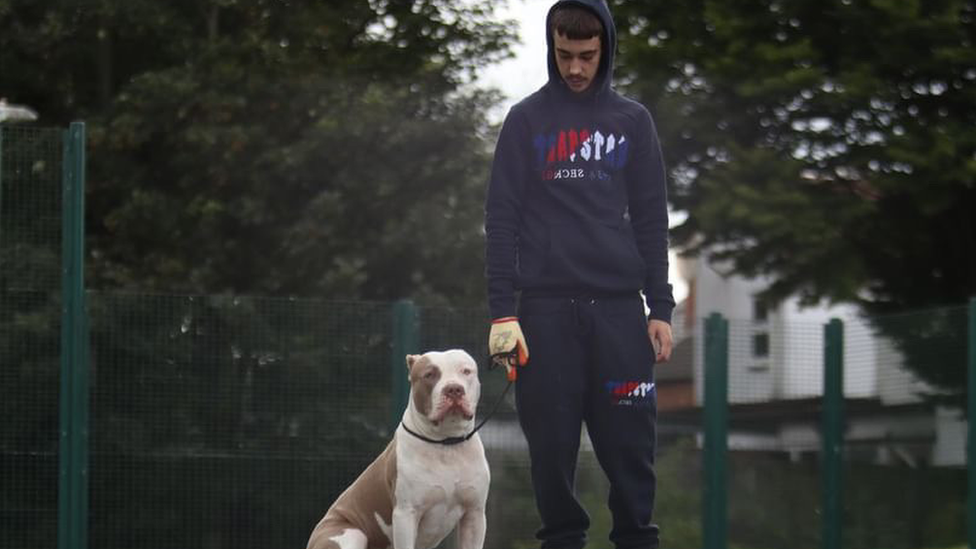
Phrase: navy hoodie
[577,202]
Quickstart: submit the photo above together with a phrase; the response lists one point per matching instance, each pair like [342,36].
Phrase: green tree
[827,144]
[284,148]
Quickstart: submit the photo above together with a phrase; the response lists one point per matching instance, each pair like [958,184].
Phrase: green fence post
[406,340]
[73,436]
[715,518]
[1,184]
[833,434]
[971,416]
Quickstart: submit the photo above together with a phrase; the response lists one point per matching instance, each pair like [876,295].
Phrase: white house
[776,367]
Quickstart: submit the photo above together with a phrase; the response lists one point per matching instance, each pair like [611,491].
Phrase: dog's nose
[454,391]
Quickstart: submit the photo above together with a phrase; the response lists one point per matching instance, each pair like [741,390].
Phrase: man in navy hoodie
[576,227]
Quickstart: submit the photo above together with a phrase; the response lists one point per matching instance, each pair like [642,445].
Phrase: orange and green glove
[506,345]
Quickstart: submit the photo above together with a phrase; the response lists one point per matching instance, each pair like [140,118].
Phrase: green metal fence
[866,451]
[234,421]
[230,422]
[30,324]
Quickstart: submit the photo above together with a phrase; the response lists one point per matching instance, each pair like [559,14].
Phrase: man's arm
[503,206]
[648,207]
[502,212]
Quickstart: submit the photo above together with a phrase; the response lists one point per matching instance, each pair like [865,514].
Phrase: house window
[760,345]
[760,311]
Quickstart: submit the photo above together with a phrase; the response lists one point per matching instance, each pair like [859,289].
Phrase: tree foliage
[273,147]
[828,144]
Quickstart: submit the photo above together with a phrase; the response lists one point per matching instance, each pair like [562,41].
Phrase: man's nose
[575,67]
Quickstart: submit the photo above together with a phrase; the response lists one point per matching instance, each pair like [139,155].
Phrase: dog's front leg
[405,521]
[471,529]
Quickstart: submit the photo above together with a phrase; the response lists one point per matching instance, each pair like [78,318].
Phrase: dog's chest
[441,484]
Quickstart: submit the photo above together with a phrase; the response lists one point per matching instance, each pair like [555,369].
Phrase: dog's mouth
[448,407]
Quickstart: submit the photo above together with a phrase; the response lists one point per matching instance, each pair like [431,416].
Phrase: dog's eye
[431,374]
[467,371]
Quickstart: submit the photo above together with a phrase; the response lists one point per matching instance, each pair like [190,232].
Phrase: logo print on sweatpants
[629,393]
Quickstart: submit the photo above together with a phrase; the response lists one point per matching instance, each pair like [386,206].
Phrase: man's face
[578,61]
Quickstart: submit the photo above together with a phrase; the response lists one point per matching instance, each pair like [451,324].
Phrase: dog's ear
[411,360]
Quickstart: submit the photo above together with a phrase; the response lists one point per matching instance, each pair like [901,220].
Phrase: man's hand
[660,333]
[506,338]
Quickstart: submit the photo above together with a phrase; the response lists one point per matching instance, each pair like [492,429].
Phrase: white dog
[433,475]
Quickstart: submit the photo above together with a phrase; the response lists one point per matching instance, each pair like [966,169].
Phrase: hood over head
[608,46]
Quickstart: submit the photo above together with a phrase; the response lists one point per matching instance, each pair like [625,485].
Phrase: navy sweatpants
[590,360]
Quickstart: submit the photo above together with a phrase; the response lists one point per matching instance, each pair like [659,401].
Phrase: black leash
[450,441]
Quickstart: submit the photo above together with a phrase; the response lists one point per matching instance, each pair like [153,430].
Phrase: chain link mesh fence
[904,432]
[230,422]
[225,421]
[30,281]
[905,437]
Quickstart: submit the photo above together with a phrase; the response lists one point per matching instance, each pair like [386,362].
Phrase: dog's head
[444,386]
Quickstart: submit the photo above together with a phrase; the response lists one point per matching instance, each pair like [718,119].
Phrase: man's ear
[411,359]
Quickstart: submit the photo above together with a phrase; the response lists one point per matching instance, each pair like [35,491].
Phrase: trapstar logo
[595,148]
[630,392]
